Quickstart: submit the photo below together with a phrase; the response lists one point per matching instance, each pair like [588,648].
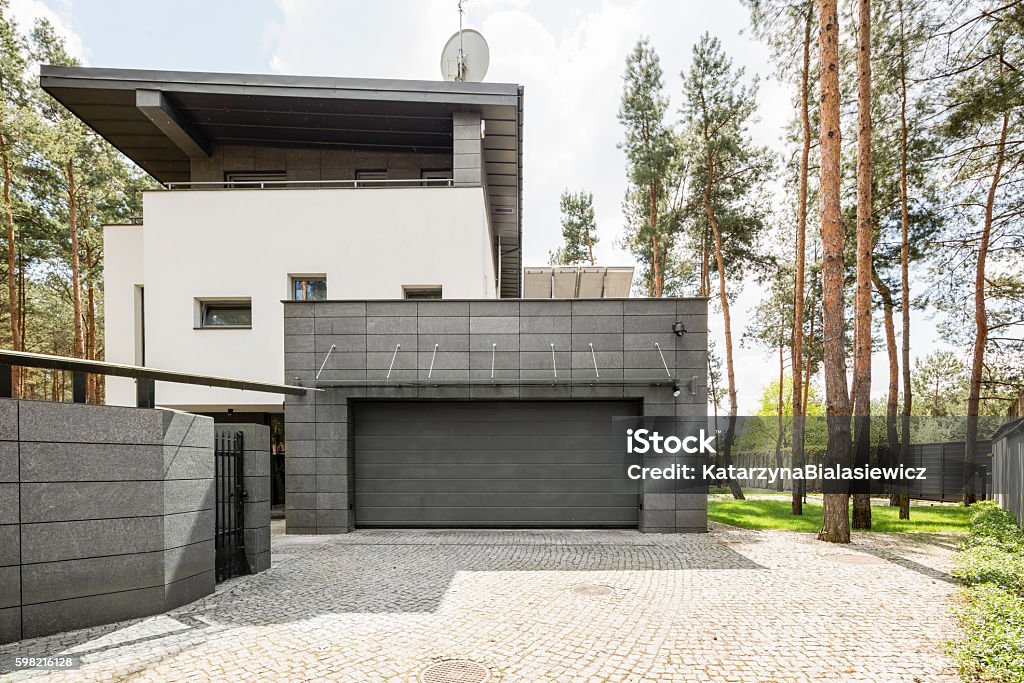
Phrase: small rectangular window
[309,288]
[226,314]
[421,292]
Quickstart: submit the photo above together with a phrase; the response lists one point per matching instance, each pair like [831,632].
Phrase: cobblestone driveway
[551,606]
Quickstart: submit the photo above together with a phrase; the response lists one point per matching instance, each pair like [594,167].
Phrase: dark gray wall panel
[489,463]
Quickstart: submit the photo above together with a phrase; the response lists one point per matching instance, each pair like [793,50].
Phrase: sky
[569,56]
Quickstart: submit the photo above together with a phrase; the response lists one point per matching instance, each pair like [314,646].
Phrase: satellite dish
[465,57]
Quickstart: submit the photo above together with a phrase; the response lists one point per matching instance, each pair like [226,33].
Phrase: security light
[679,328]
[675,390]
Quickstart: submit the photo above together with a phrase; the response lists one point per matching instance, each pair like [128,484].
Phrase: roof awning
[577,282]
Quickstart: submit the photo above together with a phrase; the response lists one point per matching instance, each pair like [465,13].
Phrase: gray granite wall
[319,473]
[256,482]
[106,513]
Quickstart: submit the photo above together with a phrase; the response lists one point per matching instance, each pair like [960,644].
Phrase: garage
[489,464]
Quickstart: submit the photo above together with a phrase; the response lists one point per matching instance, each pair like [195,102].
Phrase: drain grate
[455,671]
[593,590]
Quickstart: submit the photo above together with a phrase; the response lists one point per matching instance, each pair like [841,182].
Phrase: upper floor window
[255,179]
[368,177]
[225,314]
[309,288]
[436,174]
[421,291]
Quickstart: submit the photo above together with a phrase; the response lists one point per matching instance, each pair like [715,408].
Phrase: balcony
[353,184]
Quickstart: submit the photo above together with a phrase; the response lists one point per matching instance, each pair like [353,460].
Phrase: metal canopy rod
[432,357]
[658,346]
[329,352]
[393,356]
[96,367]
[594,356]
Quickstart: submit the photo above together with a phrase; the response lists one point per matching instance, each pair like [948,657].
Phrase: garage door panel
[488,485]
[464,516]
[479,499]
[493,429]
[470,457]
[479,464]
[483,411]
[457,442]
[471,473]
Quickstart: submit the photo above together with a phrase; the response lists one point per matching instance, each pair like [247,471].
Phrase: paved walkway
[731,605]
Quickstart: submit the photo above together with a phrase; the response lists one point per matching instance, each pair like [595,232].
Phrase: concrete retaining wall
[106,513]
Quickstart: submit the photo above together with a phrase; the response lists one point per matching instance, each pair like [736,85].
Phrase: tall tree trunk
[781,425]
[801,258]
[865,235]
[76,270]
[835,522]
[810,345]
[652,222]
[90,339]
[730,432]
[17,343]
[892,400]
[981,324]
[908,400]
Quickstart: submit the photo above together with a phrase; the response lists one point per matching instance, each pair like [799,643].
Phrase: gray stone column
[467,149]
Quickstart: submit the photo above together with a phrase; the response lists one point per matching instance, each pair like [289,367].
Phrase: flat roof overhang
[162,119]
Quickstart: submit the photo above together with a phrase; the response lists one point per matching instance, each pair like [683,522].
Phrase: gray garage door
[487,464]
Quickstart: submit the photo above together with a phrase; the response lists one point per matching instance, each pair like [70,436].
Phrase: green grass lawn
[776,514]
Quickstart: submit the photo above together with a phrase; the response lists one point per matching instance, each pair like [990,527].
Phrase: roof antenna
[461,64]
[466,55]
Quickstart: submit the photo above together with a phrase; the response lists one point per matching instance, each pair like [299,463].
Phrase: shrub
[992,525]
[992,648]
[991,563]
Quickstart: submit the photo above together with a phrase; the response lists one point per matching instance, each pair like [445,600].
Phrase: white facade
[243,244]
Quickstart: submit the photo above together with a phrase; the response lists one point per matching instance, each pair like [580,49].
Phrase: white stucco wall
[246,243]
[122,273]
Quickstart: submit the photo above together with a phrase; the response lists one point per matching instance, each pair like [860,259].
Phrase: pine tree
[579,230]
[725,174]
[649,147]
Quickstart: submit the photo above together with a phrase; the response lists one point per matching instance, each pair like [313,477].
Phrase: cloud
[27,12]
[570,58]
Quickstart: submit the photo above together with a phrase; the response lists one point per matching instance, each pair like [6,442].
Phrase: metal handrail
[314,184]
[28,359]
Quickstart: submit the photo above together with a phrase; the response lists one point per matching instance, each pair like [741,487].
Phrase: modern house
[362,237]
[285,188]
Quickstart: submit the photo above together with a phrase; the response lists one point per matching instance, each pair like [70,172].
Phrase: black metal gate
[229,538]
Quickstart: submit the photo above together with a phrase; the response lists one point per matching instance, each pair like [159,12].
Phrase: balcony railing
[308,184]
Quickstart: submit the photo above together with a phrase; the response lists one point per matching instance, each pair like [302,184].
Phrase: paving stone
[546,605]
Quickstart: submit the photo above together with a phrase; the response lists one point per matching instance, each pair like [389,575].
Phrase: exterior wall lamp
[679,328]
